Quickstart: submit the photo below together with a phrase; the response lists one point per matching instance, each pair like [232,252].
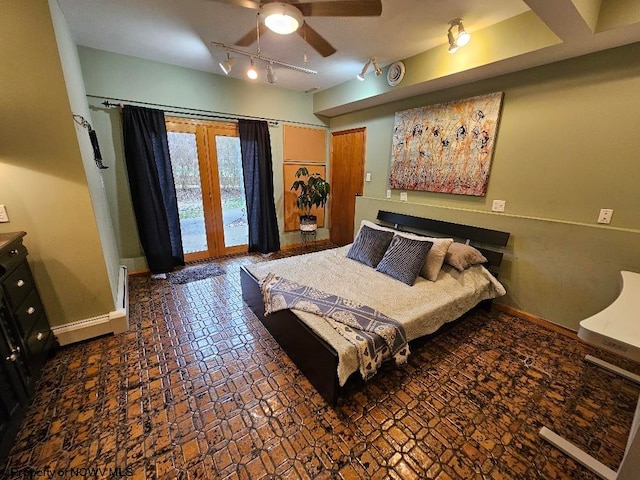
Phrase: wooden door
[347,181]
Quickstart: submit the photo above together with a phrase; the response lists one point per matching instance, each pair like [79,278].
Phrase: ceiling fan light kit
[462,38]
[288,17]
[281,18]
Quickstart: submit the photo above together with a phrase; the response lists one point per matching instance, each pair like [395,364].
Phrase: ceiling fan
[291,14]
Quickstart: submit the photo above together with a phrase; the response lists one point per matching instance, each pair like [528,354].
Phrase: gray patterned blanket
[375,336]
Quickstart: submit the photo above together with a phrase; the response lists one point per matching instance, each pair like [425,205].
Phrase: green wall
[136,80]
[42,177]
[567,146]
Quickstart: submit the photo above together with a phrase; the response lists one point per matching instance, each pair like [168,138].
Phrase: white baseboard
[116,321]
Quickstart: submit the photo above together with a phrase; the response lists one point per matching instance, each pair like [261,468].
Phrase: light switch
[368,177]
[403,196]
[388,193]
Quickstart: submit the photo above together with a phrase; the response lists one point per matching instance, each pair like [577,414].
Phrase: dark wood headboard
[483,239]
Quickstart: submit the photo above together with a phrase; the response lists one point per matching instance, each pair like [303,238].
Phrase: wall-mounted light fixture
[281,18]
[227,64]
[461,39]
[371,60]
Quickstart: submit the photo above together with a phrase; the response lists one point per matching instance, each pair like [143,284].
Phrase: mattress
[422,308]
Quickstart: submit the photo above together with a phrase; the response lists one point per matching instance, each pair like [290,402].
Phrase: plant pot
[308,223]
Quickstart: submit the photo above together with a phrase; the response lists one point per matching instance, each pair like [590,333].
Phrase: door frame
[205,132]
[362,130]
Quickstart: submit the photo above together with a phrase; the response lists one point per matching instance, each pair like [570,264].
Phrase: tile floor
[197,389]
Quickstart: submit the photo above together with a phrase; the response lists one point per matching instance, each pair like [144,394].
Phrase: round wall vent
[395,74]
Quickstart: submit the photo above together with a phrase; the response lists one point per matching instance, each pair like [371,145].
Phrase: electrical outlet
[368,177]
[605,215]
[388,193]
[498,205]
[403,196]
[4,217]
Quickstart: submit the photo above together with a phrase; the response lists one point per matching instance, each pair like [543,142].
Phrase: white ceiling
[180,32]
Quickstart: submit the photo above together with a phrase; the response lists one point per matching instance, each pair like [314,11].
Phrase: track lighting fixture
[271,75]
[281,18]
[227,65]
[252,73]
[259,56]
[461,39]
[376,67]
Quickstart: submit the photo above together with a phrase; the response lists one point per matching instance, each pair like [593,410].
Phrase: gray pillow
[461,256]
[369,246]
[404,258]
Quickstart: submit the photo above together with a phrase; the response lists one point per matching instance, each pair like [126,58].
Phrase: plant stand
[309,236]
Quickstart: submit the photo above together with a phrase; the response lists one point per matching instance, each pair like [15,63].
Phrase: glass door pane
[234,209]
[186,174]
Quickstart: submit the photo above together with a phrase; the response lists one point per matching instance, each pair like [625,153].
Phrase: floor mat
[196,272]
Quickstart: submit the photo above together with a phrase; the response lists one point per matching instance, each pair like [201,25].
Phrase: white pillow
[435,257]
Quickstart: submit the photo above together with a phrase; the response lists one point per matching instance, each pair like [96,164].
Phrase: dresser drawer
[38,337]
[14,253]
[28,312]
[18,284]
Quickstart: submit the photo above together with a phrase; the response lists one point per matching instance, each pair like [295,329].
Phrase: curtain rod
[197,111]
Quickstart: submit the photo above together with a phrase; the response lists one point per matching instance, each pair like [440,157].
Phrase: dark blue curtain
[257,166]
[152,189]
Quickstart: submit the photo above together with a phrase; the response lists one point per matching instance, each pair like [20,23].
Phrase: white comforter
[421,308]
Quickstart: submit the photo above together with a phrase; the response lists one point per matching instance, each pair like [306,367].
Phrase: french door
[207,171]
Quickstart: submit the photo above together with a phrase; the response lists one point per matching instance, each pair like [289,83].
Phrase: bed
[320,352]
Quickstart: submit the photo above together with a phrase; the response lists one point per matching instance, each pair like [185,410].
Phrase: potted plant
[313,191]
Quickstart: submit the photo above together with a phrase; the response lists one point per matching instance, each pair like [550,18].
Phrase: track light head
[462,38]
[271,74]
[377,68]
[252,73]
[361,75]
[453,46]
[227,65]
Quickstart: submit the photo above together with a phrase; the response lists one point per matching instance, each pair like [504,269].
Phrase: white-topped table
[617,329]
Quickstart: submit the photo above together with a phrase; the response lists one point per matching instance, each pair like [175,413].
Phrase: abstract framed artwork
[446,148]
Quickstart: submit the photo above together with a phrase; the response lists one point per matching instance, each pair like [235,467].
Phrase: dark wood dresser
[25,336]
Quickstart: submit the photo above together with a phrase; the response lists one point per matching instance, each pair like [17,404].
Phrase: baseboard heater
[116,321]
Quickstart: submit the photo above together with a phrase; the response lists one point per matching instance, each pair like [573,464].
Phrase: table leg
[578,455]
[612,368]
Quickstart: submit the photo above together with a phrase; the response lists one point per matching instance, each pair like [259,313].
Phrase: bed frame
[318,360]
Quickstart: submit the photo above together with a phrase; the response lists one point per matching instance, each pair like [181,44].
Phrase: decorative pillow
[369,246]
[435,259]
[461,256]
[404,258]
[375,226]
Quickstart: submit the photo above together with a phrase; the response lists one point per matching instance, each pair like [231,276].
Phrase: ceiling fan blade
[343,8]
[252,36]
[242,3]
[316,40]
